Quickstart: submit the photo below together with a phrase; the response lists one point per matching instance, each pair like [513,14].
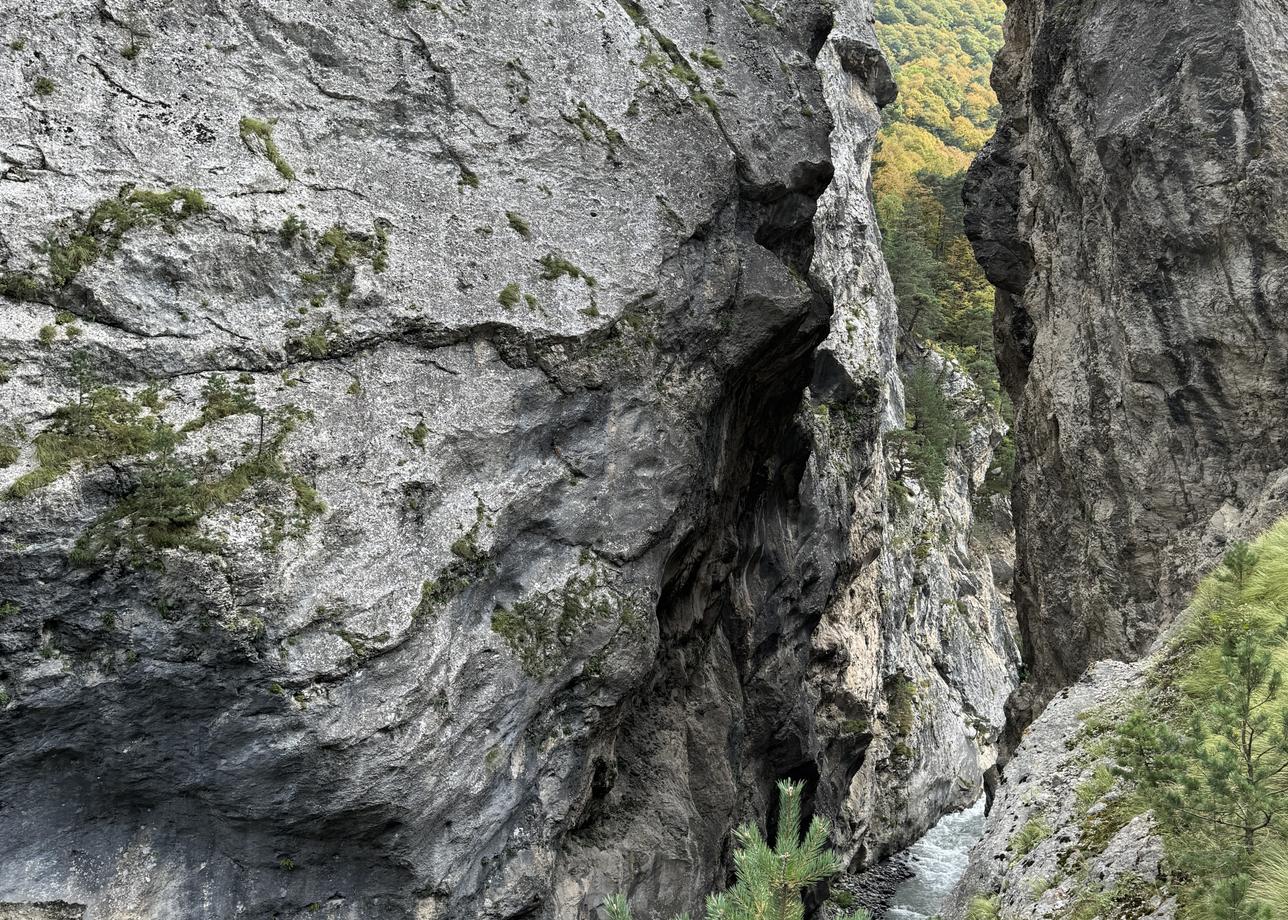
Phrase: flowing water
[939,860]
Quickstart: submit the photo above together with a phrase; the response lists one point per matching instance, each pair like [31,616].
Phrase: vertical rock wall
[443,460]
[1131,210]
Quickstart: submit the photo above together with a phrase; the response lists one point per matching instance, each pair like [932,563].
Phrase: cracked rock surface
[443,466]
[1081,858]
[1130,209]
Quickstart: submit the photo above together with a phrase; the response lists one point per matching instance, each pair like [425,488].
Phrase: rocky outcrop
[944,652]
[1130,210]
[444,466]
[1059,842]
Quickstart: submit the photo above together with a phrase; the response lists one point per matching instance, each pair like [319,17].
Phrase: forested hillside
[941,53]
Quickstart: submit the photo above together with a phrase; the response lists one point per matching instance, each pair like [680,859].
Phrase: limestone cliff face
[1131,209]
[443,460]
[1055,843]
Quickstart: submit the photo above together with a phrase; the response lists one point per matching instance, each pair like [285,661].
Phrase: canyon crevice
[446,472]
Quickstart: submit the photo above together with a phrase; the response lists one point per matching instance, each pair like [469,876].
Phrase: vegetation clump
[1027,838]
[510,296]
[519,224]
[78,244]
[470,563]
[418,433]
[103,425]
[984,907]
[44,86]
[290,230]
[317,344]
[165,508]
[169,496]
[221,400]
[759,14]
[934,429]
[555,266]
[257,135]
[594,128]
[540,628]
[1206,747]
[770,879]
[336,255]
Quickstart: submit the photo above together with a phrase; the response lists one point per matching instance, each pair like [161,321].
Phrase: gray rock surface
[1131,210]
[443,460]
[1054,846]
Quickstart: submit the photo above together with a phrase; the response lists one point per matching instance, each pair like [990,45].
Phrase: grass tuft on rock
[257,135]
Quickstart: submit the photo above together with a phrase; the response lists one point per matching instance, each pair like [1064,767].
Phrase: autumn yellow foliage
[940,52]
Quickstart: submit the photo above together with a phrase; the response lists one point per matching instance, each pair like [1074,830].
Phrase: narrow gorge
[458,458]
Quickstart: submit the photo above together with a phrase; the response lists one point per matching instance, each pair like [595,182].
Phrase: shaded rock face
[443,461]
[1130,209]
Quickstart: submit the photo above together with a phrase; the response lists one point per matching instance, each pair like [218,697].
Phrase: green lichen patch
[257,135]
[469,565]
[519,224]
[541,628]
[594,129]
[44,86]
[555,266]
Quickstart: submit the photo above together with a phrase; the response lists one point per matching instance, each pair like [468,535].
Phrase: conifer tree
[769,879]
[1222,775]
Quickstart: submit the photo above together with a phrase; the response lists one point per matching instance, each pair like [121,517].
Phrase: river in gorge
[938,860]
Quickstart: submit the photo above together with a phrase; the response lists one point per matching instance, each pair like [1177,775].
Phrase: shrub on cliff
[770,879]
[933,430]
[1212,760]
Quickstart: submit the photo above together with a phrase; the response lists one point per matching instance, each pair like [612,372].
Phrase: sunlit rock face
[1131,211]
[443,460]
